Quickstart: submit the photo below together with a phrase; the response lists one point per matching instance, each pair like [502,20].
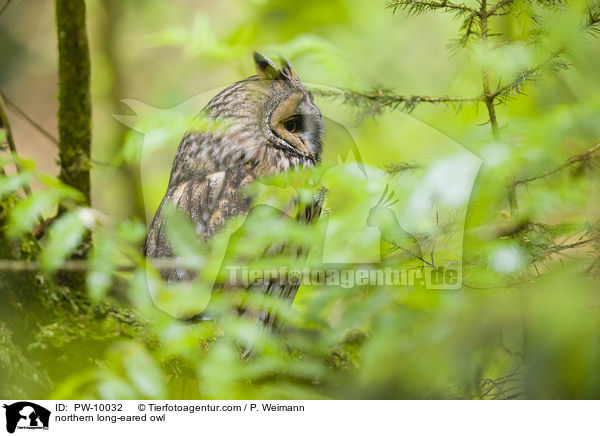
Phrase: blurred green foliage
[525,322]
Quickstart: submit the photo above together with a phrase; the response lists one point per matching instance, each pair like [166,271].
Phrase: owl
[264,125]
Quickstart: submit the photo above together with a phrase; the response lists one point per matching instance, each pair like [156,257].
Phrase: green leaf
[12,183]
[25,216]
[111,386]
[64,236]
[60,189]
[101,267]
[183,238]
[131,231]
[143,371]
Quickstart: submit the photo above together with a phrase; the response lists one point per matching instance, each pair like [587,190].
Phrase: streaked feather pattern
[211,168]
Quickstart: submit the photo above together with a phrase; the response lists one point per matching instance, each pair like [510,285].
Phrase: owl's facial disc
[295,122]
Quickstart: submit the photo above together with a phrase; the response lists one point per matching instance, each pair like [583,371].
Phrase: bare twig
[572,160]
[497,7]
[31,121]
[11,142]
[410,253]
[504,386]
[512,188]
[558,248]
[8,2]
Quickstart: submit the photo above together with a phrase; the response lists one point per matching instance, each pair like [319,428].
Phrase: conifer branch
[469,27]
[592,23]
[384,99]
[516,85]
[421,6]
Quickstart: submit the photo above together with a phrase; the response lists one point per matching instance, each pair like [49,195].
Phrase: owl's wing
[207,200]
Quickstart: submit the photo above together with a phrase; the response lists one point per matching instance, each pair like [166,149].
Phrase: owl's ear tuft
[287,69]
[265,67]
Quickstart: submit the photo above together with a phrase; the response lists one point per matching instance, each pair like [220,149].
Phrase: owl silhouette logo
[383,217]
[26,415]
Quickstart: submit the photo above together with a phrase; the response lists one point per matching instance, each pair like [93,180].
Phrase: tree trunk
[74,112]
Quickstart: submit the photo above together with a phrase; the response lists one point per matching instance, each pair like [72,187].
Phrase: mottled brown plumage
[259,126]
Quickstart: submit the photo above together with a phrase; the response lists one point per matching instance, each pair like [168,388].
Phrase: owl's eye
[290,125]
[293,124]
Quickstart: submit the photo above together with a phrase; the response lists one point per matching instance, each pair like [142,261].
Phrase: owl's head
[273,118]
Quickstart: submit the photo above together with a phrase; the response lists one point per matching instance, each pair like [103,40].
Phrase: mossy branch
[74,112]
